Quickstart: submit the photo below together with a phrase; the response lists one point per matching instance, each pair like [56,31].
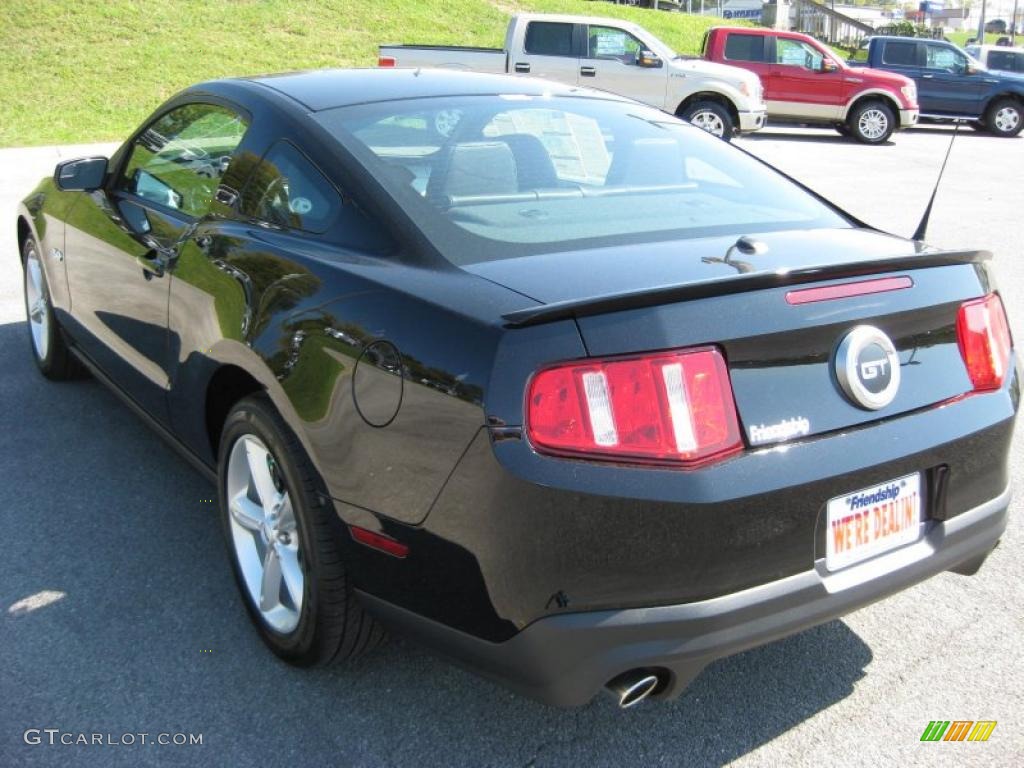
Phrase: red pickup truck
[804,82]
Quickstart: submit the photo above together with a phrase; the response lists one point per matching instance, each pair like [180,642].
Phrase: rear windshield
[489,177]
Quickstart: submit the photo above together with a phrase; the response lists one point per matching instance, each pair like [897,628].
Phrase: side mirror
[648,59]
[827,65]
[83,175]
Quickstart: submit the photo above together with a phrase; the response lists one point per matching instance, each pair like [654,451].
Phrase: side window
[287,190]
[546,38]
[1008,61]
[947,59]
[178,161]
[900,54]
[612,43]
[739,47]
[796,53]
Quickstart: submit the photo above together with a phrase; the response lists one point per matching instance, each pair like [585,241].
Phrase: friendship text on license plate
[873,520]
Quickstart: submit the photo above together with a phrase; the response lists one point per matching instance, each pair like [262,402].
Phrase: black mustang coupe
[563,387]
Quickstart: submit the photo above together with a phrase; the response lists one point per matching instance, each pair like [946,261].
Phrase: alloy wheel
[37,303]
[264,534]
[1007,119]
[873,124]
[708,121]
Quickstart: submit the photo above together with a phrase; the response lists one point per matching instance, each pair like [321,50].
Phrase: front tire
[872,122]
[712,117]
[283,543]
[1005,117]
[49,349]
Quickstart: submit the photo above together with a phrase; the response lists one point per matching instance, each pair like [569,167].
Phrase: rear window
[900,54]
[739,47]
[500,177]
[545,38]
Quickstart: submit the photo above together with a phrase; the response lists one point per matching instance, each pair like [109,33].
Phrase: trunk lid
[782,356]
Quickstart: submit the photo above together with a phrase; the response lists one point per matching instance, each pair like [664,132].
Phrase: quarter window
[546,38]
[287,190]
[177,162]
[744,47]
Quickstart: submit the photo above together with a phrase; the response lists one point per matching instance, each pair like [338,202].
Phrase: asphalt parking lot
[118,613]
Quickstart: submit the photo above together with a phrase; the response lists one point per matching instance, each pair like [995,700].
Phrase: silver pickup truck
[610,55]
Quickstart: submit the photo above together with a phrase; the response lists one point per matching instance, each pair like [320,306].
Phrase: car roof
[1011,49]
[329,88]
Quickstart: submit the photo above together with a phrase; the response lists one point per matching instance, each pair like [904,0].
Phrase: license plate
[873,520]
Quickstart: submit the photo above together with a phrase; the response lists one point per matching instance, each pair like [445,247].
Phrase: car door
[947,83]
[904,57]
[611,63]
[799,86]
[550,49]
[122,242]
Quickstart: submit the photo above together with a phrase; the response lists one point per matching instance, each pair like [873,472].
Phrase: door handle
[588,71]
[522,66]
[927,77]
[155,262]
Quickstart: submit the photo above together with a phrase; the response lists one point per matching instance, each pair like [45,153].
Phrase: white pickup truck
[610,55]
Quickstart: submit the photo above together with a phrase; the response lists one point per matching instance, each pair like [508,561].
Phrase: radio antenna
[922,228]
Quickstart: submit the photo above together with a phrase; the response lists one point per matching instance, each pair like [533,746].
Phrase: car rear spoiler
[664,294]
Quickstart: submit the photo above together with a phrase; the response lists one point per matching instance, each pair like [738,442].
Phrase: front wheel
[872,123]
[711,117]
[283,542]
[1004,117]
[49,349]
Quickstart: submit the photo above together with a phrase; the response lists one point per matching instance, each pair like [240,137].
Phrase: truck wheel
[871,122]
[711,117]
[1005,117]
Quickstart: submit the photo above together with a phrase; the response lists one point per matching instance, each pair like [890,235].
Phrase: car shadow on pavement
[118,614]
[795,133]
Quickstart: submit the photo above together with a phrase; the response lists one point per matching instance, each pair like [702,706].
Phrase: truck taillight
[386,61]
[672,408]
[984,338]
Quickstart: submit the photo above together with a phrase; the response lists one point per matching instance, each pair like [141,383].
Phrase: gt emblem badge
[867,368]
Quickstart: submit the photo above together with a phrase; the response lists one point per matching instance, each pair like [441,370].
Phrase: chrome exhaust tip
[630,688]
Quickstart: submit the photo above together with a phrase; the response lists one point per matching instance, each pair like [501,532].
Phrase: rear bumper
[753,120]
[908,117]
[564,660]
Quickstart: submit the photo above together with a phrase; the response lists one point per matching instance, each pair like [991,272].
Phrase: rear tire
[871,122]
[712,117]
[1005,117]
[49,349]
[283,542]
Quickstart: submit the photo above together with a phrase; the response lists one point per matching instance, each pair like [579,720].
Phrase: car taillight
[386,61]
[984,337]
[668,408]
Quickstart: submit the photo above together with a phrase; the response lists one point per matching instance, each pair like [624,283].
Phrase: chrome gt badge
[867,368]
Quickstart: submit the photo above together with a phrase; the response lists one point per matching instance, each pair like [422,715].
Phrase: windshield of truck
[488,177]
